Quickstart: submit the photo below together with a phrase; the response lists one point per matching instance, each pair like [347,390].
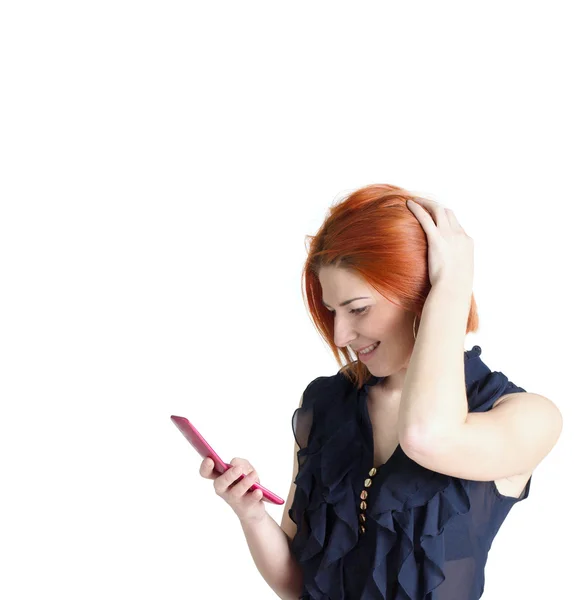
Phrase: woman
[408,460]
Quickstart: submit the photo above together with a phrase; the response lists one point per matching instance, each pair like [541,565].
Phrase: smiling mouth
[376,345]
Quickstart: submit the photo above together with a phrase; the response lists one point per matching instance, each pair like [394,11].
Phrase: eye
[355,311]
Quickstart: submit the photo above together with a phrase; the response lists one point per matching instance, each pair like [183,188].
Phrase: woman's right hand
[247,505]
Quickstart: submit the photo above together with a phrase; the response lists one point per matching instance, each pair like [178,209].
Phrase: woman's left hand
[450,250]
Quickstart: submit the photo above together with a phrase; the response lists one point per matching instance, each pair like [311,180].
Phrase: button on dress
[396,531]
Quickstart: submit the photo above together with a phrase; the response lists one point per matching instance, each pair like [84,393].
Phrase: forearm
[271,551]
[434,392]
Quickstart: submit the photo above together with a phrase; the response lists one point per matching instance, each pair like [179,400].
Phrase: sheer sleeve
[304,422]
[303,418]
[487,386]
[489,389]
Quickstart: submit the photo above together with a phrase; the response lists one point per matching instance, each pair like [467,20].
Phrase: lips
[367,346]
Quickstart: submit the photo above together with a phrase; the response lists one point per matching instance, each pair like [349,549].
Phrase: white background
[161,164]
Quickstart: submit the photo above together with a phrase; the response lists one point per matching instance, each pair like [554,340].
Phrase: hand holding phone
[227,484]
[234,487]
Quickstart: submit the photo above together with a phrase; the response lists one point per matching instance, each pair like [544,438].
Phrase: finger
[247,467]
[206,468]
[438,213]
[453,221]
[241,462]
[428,220]
[244,464]
[254,496]
[255,474]
[242,486]
[227,479]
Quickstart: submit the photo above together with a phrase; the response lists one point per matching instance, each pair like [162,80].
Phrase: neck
[385,396]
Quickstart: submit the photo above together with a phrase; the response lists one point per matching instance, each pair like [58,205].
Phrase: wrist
[253,522]
[457,290]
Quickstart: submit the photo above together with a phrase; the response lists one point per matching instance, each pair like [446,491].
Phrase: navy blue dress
[426,535]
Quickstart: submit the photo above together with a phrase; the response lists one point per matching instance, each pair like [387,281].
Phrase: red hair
[372,233]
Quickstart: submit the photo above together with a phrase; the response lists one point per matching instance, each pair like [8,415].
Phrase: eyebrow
[348,301]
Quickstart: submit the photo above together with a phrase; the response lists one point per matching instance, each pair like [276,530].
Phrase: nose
[343,332]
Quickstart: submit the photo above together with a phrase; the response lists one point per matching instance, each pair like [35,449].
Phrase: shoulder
[328,401]
[485,388]
[329,383]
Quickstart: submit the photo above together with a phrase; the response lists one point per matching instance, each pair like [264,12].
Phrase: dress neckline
[363,396]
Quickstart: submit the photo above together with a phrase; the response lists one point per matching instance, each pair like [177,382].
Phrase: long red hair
[374,234]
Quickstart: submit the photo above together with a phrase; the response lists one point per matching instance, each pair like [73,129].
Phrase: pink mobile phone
[195,438]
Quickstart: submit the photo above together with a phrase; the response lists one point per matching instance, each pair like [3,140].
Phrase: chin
[378,371]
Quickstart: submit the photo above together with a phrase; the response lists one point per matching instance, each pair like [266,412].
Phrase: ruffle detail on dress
[411,508]
[412,511]
[325,494]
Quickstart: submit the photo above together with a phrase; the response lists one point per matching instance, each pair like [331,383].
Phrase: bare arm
[271,550]
[270,546]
